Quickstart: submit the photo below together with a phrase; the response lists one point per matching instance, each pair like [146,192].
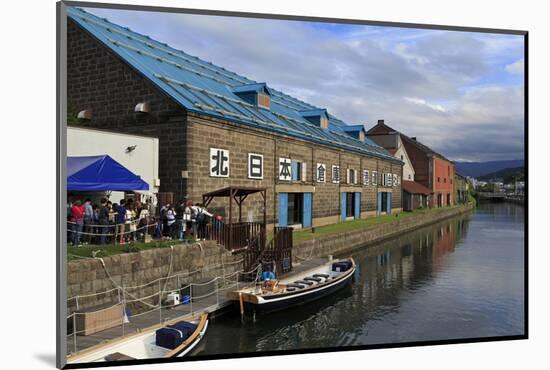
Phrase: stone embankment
[342,242]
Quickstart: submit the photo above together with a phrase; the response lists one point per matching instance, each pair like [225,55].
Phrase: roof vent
[257,94]
[143,107]
[85,114]
[318,117]
[380,122]
[413,138]
[355,131]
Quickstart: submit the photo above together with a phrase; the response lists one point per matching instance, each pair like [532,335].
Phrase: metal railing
[278,251]
[144,306]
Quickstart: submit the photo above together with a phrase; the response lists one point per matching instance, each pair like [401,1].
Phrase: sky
[461,93]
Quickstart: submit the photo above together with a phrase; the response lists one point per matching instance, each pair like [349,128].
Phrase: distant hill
[477,169]
[506,174]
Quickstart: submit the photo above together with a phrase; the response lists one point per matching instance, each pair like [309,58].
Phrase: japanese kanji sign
[366,177]
[395,179]
[321,171]
[285,169]
[219,162]
[335,174]
[255,166]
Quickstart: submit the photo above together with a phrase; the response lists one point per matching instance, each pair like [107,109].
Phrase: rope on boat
[310,254]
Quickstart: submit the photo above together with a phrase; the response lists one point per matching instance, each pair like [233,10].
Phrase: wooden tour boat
[175,338]
[273,295]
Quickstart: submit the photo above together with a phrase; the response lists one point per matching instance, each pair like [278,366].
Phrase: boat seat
[316,279]
[295,286]
[303,282]
[117,356]
[326,276]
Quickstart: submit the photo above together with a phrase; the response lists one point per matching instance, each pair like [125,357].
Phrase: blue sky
[461,93]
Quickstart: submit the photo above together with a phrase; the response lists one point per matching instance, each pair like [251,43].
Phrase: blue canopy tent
[101,173]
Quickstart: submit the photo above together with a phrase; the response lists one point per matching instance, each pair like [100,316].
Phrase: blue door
[283,209]
[307,210]
[388,208]
[357,206]
[379,206]
[343,206]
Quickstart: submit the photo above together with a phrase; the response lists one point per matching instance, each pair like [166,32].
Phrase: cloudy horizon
[461,93]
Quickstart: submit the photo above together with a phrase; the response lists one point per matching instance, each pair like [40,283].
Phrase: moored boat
[175,338]
[273,295]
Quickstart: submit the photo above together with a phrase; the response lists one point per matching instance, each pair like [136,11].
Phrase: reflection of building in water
[408,262]
[444,240]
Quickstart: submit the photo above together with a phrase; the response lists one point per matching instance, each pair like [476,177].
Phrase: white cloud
[425,83]
[516,68]
[418,101]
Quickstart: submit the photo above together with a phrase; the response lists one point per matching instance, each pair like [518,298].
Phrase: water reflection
[461,278]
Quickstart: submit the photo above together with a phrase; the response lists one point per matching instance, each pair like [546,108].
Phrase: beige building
[139,154]
[394,145]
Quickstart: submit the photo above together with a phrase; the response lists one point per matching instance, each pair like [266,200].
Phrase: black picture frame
[61,180]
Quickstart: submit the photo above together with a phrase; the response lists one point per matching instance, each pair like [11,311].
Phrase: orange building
[443,175]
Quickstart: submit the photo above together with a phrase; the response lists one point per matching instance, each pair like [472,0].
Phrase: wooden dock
[212,301]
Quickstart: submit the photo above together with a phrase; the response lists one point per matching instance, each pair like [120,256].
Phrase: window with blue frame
[298,170]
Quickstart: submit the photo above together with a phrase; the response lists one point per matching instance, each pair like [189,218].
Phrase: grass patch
[301,235]
[74,253]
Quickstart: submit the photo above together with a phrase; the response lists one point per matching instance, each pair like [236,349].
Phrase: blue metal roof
[353,128]
[256,87]
[203,87]
[314,113]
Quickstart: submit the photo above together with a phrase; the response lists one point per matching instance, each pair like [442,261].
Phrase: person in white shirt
[170,221]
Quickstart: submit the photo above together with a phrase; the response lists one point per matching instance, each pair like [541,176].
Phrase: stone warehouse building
[218,129]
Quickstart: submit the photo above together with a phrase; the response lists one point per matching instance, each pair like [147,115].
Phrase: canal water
[462,278]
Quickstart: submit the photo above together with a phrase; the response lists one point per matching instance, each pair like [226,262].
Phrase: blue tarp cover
[101,173]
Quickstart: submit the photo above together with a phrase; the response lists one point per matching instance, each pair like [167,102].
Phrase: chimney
[380,122]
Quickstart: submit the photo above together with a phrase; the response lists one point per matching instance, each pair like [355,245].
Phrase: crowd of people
[131,220]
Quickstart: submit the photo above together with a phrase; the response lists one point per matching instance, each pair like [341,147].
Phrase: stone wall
[341,243]
[88,277]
